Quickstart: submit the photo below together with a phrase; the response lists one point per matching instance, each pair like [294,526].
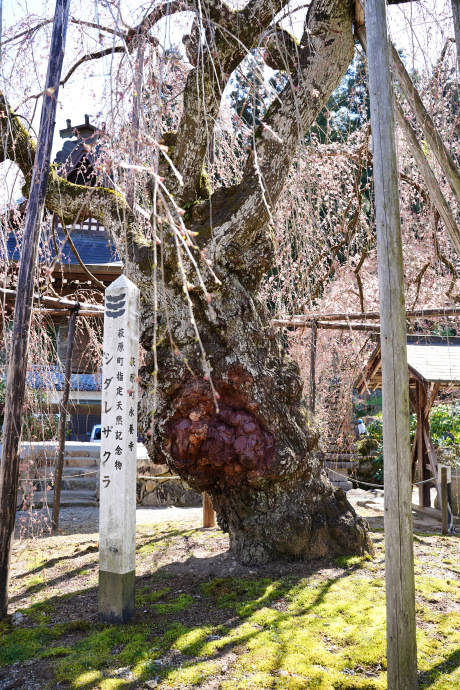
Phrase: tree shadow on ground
[179,615]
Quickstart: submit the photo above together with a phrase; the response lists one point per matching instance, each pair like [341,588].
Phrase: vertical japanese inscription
[117,516]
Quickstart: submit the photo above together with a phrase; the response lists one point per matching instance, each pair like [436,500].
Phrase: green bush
[444,419]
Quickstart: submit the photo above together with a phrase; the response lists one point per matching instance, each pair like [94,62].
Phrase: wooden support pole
[17,366]
[444,504]
[426,124]
[399,558]
[63,421]
[456,18]
[314,335]
[436,195]
[209,516]
[424,498]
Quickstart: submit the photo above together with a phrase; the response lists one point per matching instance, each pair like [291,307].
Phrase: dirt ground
[204,621]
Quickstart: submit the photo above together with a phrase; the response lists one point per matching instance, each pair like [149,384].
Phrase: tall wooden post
[422,455]
[399,559]
[314,335]
[456,18]
[444,501]
[63,420]
[17,366]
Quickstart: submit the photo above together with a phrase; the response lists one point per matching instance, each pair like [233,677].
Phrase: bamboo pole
[63,420]
[399,558]
[17,366]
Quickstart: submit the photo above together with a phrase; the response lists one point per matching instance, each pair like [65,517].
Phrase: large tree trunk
[254,451]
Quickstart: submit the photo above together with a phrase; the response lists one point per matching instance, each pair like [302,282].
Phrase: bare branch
[92,56]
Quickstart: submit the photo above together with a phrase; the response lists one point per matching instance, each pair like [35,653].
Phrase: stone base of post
[116,597]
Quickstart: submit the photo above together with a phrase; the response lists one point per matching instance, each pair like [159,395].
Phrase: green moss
[326,630]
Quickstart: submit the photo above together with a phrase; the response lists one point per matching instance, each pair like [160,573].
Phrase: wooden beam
[434,190]
[413,457]
[426,124]
[424,498]
[444,503]
[300,320]
[209,516]
[434,390]
[17,365]
[432,458]
[57,301]
[399,558]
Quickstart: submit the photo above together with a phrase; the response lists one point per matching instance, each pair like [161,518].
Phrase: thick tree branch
[325,52]
[229,38]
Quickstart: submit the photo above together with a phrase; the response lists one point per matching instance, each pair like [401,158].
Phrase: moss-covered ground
[203,621]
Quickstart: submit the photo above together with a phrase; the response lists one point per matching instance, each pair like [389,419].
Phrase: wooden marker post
[117,511]
[209,516]
[444,504]
[399,558]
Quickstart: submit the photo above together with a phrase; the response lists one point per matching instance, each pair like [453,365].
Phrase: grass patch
[314,626]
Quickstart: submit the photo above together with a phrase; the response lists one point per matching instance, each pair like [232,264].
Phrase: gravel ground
[86,520]
[83,520]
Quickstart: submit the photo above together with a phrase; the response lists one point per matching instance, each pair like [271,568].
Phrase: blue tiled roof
[93,248]
[53,379]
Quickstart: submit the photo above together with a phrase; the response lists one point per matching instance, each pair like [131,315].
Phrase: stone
[79,461]
[166,494]
[191,499]
[17,618]
[150,486]
[159,470]
[151,500]
[151,683]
